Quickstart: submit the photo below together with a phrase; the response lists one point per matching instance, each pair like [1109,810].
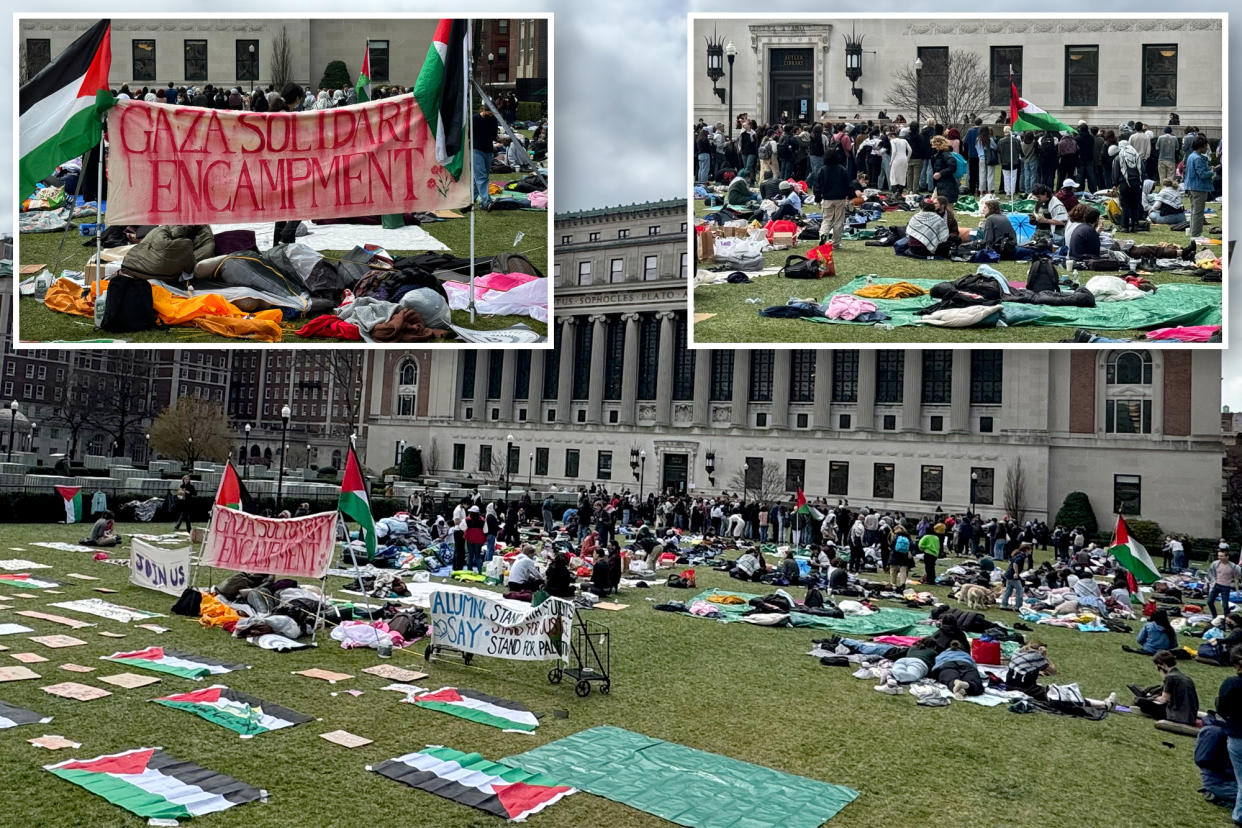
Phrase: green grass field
[736,320]
[495,232]
[747,692]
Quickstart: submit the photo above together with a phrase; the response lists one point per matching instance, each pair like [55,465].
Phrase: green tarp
[1174,304]
[683,785]
[885,621]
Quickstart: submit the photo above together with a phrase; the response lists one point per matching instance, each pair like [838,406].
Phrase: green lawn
[495,232]
[737,320]
[747,692]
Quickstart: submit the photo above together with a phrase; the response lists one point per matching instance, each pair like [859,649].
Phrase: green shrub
[529,111]
[1148,533]
[335,76]
[1076,511]
[411,464]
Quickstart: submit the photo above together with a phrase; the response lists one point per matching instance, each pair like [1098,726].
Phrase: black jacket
[944,163]
[831,183]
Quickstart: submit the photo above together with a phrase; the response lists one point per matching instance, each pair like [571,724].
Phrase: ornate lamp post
[12,422]
[918,93]
[730,52]
[245,452]
[853,63]
[974,480]
[508,464]
[715,63]
[284,429]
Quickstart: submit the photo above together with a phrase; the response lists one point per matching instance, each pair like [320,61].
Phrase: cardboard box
[784,239]
[31,269]
[734,232]
[109,270]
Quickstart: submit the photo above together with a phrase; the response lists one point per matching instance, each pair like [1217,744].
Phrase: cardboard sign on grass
[77,692]
[388,671]
[327,675]
[129,680]
[17,673]
[56,642]
[345,739]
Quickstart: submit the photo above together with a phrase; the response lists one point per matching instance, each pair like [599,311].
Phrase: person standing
[476,535]
[943,169]
[920,152]
[185,493]
[929,545]
[1009,154]
[1199,183]
[973,161]
[985,149]
[748,147]
[483,132]
[1225,576]
[832,193]
[1229,707]
[1167,147]
[899,161]
[1086,158]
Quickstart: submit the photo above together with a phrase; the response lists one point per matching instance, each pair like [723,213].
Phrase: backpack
[515,263]
[1042,276]
[129,306]
[765,149]
[800,267]
[1065,693]
[1067,146]
[962,166]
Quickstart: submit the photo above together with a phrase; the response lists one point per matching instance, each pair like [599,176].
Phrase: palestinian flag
[73,502]
[150,783]
[802,509]
[13,716]
[364,76]
[354,503]
[479,707]
[1132,555]
[239,712]
[232,493]
[441,92]
[174,663]
[468,778]
[61,107]
[25,581]
[1025,116]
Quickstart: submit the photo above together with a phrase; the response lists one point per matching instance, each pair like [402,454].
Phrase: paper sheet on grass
[683,785]
[1175,303]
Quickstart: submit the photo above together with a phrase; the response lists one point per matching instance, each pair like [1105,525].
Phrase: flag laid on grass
[1025,116]
[441,93]
[11,716]
[23,580]
[239,712]
[354,503]
[364,77]
[232,493]
[72,496]
[1132,555]
[469,779]
[479,707]
[150,783]
[174,662]
[61,108]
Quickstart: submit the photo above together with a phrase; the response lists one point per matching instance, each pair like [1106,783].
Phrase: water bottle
[384,648]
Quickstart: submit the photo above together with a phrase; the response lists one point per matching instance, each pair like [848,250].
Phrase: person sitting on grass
[740,194]
[1176,700]
[1025,668]
[838,575]
[1082,234]
[790,204]
[560,579]
[748,567]
[601,573]
[955,669]
[1155,635]
[995,231]
[1050,214]
[927,231]
[103,532]
[1215,650]
[790,570]
[1167,206]
[524,574]
[1215,768]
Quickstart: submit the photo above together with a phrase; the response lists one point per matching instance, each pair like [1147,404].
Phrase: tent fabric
[886,620]
[681,784]
[1175,304]
[344,236]
[67,296]
[516,294]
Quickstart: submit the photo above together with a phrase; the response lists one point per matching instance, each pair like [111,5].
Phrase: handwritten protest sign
[299,547]
[474,623]
[188,165]
[153,567]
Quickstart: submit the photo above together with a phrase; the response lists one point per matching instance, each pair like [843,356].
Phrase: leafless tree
[431,460]
[765,486]
[120,407]
[282,60]
[1015,491]
[192,429]
[76,414]
[345,368]
[950,93]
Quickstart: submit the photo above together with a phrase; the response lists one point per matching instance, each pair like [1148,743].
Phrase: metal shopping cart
[590,658]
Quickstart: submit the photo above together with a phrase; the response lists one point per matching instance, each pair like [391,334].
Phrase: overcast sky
[620,96]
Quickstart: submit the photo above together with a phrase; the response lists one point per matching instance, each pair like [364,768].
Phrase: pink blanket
[897,640]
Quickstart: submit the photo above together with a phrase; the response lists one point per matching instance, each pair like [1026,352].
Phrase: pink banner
[187,165]
[299,547]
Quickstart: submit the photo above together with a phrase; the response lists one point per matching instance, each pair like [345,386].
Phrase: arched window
[1129,368]
[407,387]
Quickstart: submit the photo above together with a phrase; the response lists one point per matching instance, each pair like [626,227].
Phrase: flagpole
[99,211]
[469,139]
[77,191]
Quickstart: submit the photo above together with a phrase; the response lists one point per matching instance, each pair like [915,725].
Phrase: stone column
[912,392]
[781,368]
[959,402]
[565,381]
[741,386]
[534,395]
[481,366]
[664,381]
[599,350]
[865,412]
[702,388]
[508,374]
[822,418]
[629,369]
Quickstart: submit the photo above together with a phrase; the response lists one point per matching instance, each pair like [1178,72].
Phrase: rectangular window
[802,379]
[485,458]
[521,378]
[502,27]
[845,376]
[651,270]
[469,365]
[1160,74]
[890,422]
[144,60]
[937,422]
[931,484]
[933,81]
[614,359]
[566,239]
[603,465]
[1127,494]
[616,272]
[1004,60]
[1127,416]
[982,480]
[571,462]
[653,230]
[459,456]
[1082,75]
[541,461]
[584,332]
[515,459]
[795,475]
[882,479]
[552,366]
[937,377]
[682,270]
[754,473]
[987,372]
[648,356]
[196,60]
[844,422]
[623,234]
[247,62]
[38,56]
[890,373]
[985,425]
[761,375]
[584,273]
[593,237]
[379,60]
[495,373]
[683,361]
[722,376]
[839,478]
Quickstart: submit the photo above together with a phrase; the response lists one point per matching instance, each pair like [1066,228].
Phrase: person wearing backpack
[748,148]
[985,147]
[787,152]
[1129,181]
[767,156]
[972,155]
[943,168]
[1067,156]
[1047,151]
[1009,155]
[831,186]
